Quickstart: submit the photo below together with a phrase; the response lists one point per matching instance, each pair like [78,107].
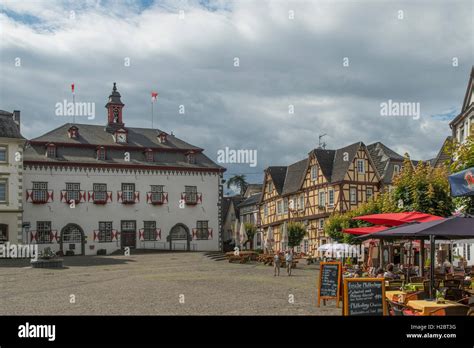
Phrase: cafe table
[426,307]
[395,295]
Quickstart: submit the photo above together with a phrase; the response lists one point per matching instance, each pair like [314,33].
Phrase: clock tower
[115,123]
[114,110]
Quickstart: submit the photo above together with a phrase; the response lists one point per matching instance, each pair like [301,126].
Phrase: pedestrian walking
[276,264]
[289,261]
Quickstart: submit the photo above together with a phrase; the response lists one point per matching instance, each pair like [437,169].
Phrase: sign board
[364,296]
[329,281]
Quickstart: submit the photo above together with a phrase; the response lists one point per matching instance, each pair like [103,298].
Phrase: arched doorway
[179,237]
[72,238]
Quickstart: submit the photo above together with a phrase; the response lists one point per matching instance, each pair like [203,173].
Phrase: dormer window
[149,155]
[190,158]
[101,154]
[162,137]
[73,132]
[51,151]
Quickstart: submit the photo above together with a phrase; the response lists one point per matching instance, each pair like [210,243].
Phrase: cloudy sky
[290,55]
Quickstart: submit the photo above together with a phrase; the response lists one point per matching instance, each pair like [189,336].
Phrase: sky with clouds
[290,53]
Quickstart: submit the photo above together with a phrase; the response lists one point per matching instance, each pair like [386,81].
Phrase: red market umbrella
[397,219]
[364,230]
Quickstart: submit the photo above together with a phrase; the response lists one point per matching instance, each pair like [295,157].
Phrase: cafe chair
[459,311]
[399,309]
[394,285]
[416,279]
[452,283]
[453,294]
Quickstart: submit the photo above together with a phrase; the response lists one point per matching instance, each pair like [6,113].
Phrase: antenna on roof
[321,144]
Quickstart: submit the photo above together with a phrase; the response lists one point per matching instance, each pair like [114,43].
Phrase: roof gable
[469,96]
[295,174]
[278,175]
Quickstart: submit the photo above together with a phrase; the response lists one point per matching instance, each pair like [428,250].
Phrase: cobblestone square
[154,284]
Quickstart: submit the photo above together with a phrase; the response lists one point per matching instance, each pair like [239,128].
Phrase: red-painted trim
[124,166]
[113,146]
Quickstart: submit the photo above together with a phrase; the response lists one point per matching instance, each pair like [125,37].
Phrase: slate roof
[331,163]
[294,176]
[252,200]
[172,153]
[8,127]
[97,135]
[384,160]
[226,202]
[278,177]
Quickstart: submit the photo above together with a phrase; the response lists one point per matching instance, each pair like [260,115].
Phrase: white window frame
[4,148]
[367,196]
[331,204]
[361,169]
[351,191]
[4,182]
[314,173]
[279,207]
[301,202]
[285,205]
[396,169]
[322,199]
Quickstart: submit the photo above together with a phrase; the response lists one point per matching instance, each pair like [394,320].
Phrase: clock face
[121,137]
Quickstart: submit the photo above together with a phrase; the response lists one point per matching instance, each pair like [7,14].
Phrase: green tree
[423,188]
[250,230]
[238,181]
[296,233]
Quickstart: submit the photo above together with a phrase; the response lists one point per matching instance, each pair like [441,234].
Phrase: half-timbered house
[310,190]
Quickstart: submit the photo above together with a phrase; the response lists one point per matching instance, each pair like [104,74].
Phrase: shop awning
[397,219]
[364,230]
[462,183]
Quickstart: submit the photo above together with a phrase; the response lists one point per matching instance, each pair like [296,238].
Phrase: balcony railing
[99,197]
[191,198]
[127,197]
[70,196]
[157,198]
[39,196]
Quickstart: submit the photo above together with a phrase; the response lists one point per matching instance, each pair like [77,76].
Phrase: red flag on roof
[154,96]
[72,88]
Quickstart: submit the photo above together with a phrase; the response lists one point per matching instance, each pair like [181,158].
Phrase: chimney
[16,117]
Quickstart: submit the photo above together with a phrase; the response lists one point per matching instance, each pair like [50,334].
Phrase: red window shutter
[28,195]
[61,196]
[148,197]
[114,235]
[136,197]
[119,196]
[183,195]
[165,198]
[210,233]
[96,235]
[109,196]
[140,234]
[158,233]
[194,233]
[199,197]
[33,236]
[50,196]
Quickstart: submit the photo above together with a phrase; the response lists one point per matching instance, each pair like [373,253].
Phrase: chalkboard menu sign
[364,296]
[329,281]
